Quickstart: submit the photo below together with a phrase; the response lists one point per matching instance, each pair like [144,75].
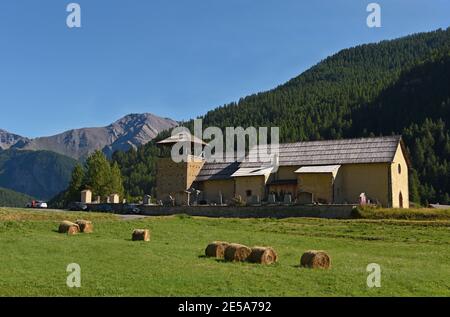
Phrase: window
[248,193]
[400,200]
[399,169]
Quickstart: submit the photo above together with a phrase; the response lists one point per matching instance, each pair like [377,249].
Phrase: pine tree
[98,174]
[76,184]
[116,184]
[414,185]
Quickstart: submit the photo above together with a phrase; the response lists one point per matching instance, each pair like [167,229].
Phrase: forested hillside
[41,174]
[398,86]
[318,103]
[138,169]
[418,107]
[9,198]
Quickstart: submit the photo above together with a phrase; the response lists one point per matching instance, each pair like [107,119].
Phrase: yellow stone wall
[212,188]
[193,169]
[286,172]
[371,179]
[399,179]
[254,183]
[320,184]
[174,178]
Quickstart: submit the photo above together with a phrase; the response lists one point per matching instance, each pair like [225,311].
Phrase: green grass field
[414,256]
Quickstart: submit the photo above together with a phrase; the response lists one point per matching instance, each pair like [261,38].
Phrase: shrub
[401,213]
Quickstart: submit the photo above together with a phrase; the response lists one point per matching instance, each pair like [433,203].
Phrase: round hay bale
[315,259]
[263,255]
[141,235]
[216,249]
[237,252]
[68,227]
[85,226]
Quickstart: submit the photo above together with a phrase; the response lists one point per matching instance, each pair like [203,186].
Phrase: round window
[399,168]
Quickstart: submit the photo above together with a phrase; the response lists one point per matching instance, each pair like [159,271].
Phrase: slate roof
[330,152]
[213,171]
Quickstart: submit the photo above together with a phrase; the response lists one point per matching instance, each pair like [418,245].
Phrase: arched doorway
[400,200]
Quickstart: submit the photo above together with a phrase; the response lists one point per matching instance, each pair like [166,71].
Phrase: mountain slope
[9,198]
[317,104]
[8,140]
[41,174]
[129,132]
[418,107]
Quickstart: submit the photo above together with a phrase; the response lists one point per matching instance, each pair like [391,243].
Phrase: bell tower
[173,179]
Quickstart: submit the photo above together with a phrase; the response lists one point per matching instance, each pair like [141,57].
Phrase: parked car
[37,204]
[42,204]
[78,206]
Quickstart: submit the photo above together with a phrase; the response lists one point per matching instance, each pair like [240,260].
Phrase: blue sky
[174,58]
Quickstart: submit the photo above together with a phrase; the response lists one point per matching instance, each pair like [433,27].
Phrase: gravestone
[287,199]
[255,200]
[272,199]
[147,200]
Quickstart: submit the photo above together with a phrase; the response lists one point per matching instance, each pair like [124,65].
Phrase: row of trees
[99,175]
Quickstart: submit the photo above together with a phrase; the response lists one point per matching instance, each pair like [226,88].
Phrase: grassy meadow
[414,256]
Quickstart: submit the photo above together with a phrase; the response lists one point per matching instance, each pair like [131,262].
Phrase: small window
[399,169]
[248,193]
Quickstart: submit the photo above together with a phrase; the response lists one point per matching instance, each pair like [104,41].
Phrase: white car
[41,204]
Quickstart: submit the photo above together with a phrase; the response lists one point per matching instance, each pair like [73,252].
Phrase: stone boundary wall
[267,211]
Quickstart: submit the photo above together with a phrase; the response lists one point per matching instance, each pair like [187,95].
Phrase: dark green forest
[392,87]
[417,106]
[40,174]
[9,198]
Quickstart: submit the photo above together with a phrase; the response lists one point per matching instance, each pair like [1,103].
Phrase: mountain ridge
[8,139]
[130,131]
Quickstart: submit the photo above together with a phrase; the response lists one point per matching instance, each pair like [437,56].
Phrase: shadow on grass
[202,256]
[225,261]
[137,241]
[306,268]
